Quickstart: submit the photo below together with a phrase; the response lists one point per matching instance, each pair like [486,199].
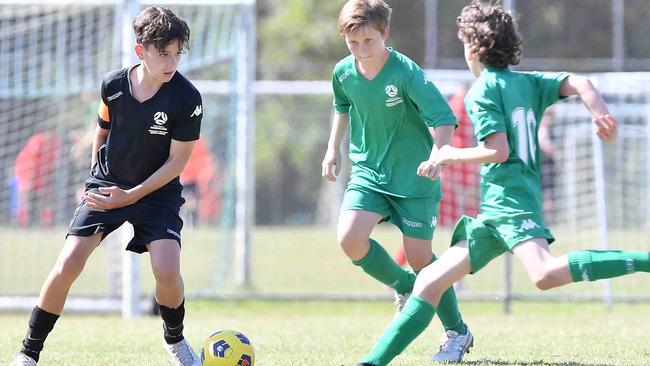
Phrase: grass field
[285,260]
[307,261]
[339,333]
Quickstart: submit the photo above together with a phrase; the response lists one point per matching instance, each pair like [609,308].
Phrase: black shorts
[152,217]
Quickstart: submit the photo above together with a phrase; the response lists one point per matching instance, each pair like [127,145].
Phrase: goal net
[53,56]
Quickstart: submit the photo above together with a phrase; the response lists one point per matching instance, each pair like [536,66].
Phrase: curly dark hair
[159,26]
[491,33]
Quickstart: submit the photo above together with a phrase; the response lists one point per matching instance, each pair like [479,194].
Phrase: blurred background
[259,220]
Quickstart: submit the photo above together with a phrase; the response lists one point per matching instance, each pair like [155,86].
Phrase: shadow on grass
[532,363]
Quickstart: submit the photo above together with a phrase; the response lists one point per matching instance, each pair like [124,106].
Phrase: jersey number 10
[525,125]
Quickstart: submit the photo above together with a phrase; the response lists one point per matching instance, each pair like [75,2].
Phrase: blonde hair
[357,14]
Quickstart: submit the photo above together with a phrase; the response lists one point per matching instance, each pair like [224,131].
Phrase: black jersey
[141,133]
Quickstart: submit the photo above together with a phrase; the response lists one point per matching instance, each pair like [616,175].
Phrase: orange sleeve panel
[102,112]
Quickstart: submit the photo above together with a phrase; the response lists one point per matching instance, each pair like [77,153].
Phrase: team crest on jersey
[393,98]
[158,127]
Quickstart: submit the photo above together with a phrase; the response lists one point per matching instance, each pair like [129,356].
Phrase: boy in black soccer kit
[149,119]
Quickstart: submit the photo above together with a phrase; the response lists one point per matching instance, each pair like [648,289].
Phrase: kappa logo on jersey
[528,224]
[197,111]
[158,127]
[114,96]
[427,79]
[393,98]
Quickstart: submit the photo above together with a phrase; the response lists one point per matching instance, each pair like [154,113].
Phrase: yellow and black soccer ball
[227,348]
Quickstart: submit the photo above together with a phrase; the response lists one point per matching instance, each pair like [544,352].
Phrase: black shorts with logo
[153,217]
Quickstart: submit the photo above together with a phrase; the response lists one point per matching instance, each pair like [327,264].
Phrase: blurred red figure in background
[34,173]
[201,190]
[460,189]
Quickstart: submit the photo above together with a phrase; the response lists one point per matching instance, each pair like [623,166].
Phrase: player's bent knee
[167,275]
[353,247]
[419,263]
[431,290]
[70,266]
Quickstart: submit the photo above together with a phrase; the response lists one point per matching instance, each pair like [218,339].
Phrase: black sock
[41,324]
[173,322]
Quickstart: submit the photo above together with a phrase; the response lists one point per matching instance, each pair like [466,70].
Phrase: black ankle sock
[173,322]
[41,324]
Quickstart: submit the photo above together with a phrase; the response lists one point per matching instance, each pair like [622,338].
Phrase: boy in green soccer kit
[392,109]
[505,108]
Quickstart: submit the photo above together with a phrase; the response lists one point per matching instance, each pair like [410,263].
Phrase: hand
[605,127]
[331,165]
[109,198]
[429,170]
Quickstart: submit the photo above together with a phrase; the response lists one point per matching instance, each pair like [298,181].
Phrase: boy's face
[472,61]
[367,43]
[160,64]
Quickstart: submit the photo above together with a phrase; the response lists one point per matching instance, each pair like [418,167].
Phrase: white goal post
[53,57]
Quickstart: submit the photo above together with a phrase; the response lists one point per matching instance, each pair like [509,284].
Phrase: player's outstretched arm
[331,165]
[115,197]
[604,123]
[494,149]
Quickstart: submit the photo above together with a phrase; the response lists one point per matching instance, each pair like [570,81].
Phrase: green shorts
[415,217]
[488,236]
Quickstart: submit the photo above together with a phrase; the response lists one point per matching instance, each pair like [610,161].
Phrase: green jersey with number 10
[511,102]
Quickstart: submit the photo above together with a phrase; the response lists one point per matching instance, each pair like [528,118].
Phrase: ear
[139,50]
[471,55]
[386,33]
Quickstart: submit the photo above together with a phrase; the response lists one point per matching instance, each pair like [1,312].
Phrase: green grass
[306,260]
[340,333]
[288,260]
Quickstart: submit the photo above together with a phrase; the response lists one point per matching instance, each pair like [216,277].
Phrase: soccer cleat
[400,300]
[22,359]
[454,346]
[181,354]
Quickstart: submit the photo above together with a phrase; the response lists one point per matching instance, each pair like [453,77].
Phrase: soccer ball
[227,348]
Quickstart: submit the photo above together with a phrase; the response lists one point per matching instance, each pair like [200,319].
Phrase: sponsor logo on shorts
[528,224]
[434,221]
[410,223]
[174,233]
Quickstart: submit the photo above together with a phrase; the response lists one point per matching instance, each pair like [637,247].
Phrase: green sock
[407,325]
[381,266]
[592,265]
[448,312]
